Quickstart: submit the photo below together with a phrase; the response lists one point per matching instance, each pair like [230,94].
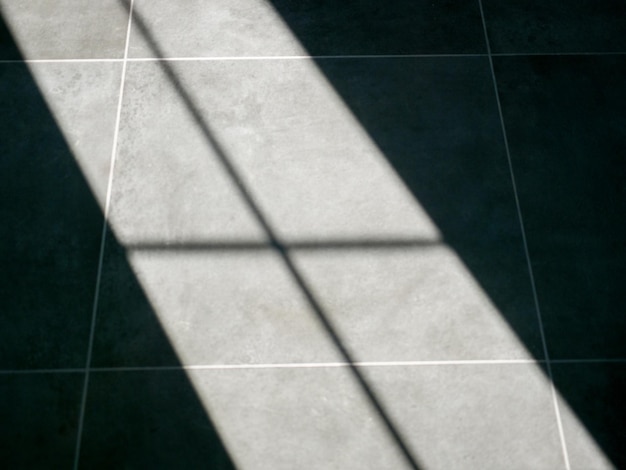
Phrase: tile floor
[274,234]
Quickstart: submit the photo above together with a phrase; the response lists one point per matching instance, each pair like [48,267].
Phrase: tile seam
[555,401]
[94,310]
[317,365]
[305,57]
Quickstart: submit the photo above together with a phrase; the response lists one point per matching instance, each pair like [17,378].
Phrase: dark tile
[318,176]
[39,415]
[8,47]
[369,27]
[596,393]
[546,26]
[203,308]
[287,27]
[51,222]
[565,123]
[127,331]
[420,304]
[149,419]
[435,120]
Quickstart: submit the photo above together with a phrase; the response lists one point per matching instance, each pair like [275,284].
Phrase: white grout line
[94,311]
[300,57]
[526,251]
[306,57]
[231,58]
[315,365]
[57,61]
[320,365]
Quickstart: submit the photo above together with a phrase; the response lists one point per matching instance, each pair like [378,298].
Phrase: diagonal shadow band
[274,242]
[300,245]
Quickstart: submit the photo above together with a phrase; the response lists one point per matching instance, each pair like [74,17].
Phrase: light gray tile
[168,182]
[82,99]
[414,304]
[283,27]
[219,28]
[214,308]
[67,29]
[316,176]
[478,416]
[489,417]
[308,164]
[295,418]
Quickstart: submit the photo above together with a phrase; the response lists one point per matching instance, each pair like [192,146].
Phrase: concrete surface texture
[275,234]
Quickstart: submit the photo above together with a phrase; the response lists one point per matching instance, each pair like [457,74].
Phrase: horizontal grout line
[305,57]
[320,365]
[314,365]
[56,61]
[518,54]
[587,361]
[305,245]
[300,57]
[42,371]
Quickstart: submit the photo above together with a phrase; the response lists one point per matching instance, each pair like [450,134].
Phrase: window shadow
[50,239]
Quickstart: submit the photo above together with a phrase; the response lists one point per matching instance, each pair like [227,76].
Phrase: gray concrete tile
[417,304]
[212,307]
[258,28]
[168,182]
[540,26]
[295,418]
[57,127]
[82,98]
[39,415]
[309,165]
[319,179]
[565,127]
[479,416]
[435,122]
[65,29]
[593,413]
[204,308]
[450,417]
[198,29]
[148,420]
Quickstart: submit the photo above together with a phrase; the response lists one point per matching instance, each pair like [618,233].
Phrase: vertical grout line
[81,419]
[544,343]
